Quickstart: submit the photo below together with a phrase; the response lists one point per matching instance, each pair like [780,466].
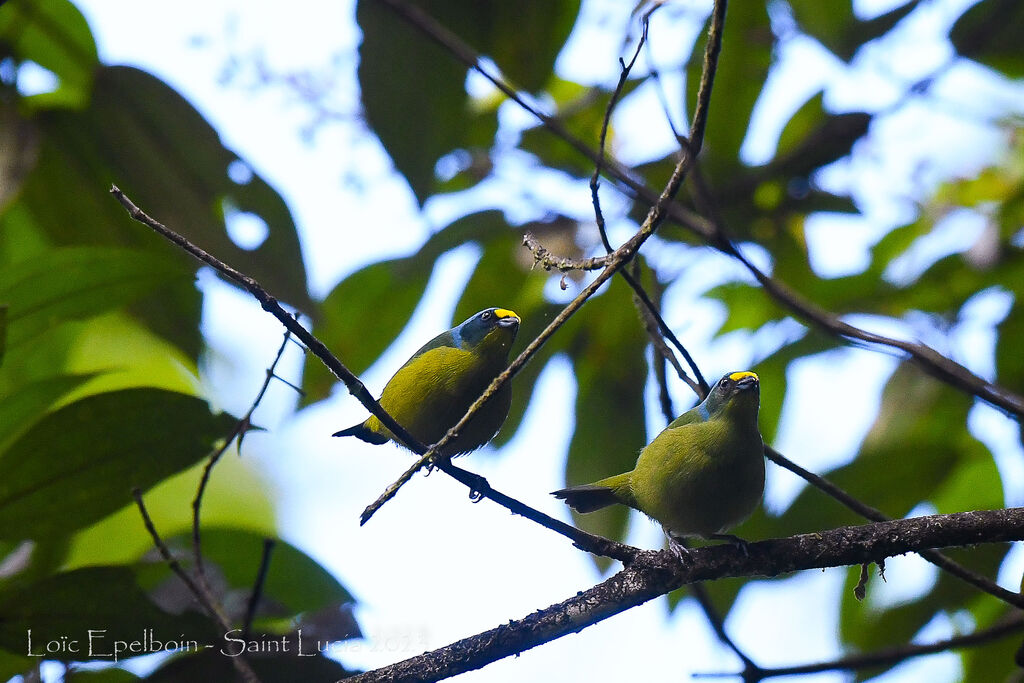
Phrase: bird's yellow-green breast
[434,389]
[702,475]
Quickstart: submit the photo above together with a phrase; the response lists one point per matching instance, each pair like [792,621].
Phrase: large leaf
[836,26]
[398,64]
[81,462]
[172,146]
[22,408]
[989,33]
[78,282]
[294,583]
[85,612]
[235,497]
[746,54]
[54,35]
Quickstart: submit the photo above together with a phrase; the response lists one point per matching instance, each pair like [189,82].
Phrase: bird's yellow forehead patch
[737,376]
[505,313]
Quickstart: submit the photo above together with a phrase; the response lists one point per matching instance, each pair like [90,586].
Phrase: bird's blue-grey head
[735,391]
[496,326]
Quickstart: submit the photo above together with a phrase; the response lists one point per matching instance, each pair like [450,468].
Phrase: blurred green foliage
[99,319]
[99,348]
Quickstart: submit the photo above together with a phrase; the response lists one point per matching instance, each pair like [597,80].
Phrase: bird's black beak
[745,381]
[506,318]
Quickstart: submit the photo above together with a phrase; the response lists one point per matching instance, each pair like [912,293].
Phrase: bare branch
[886,657]
[478,485]
[655,573]
[243,424]
[710,231]
[257,587]
[875,515]
[201,594]
[616,260]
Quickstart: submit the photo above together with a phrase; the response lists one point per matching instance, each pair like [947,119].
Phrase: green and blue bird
[434,389]
[702,475]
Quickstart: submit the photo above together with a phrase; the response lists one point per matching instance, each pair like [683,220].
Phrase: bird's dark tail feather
[364,433]
[587,497]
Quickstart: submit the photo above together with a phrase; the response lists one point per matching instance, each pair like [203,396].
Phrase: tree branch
[615,261]
[239,431]
[478,485]
[711,231]
[886,657]
[201,593]
[655,573]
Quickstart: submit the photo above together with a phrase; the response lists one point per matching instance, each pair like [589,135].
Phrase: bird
[436,386]
[701,476]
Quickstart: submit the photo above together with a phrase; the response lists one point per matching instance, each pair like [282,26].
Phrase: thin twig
[595,184]
[271,305]
[653,574]
[548,261]
[243,424]
[257,587]
[616,260]
[889,656]
[205,598]
[478,485]
[868,512]
[929,360]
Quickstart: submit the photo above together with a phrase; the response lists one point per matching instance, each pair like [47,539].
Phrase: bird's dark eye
[486,316]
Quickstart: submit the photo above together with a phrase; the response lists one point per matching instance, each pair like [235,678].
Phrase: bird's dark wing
[444,339]
[691,416]
[364,433]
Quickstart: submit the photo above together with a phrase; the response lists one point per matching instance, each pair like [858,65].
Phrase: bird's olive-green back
[702,477]
[435,388]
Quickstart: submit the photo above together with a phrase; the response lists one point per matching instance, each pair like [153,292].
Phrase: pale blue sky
[432,567]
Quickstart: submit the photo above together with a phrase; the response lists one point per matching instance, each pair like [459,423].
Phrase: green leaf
[78,282]
[748,307]
[12,665]
[527,63]
[294,583]
[918,410]
[54,35]
[743,64]
[3,332]
[989,33]
[838,29]
[236,497]
[24,407]
[581,111]
[1009,359]
[357,329]
[106,600]
[399,64]
[608,353]
[84,152]
[81,462]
